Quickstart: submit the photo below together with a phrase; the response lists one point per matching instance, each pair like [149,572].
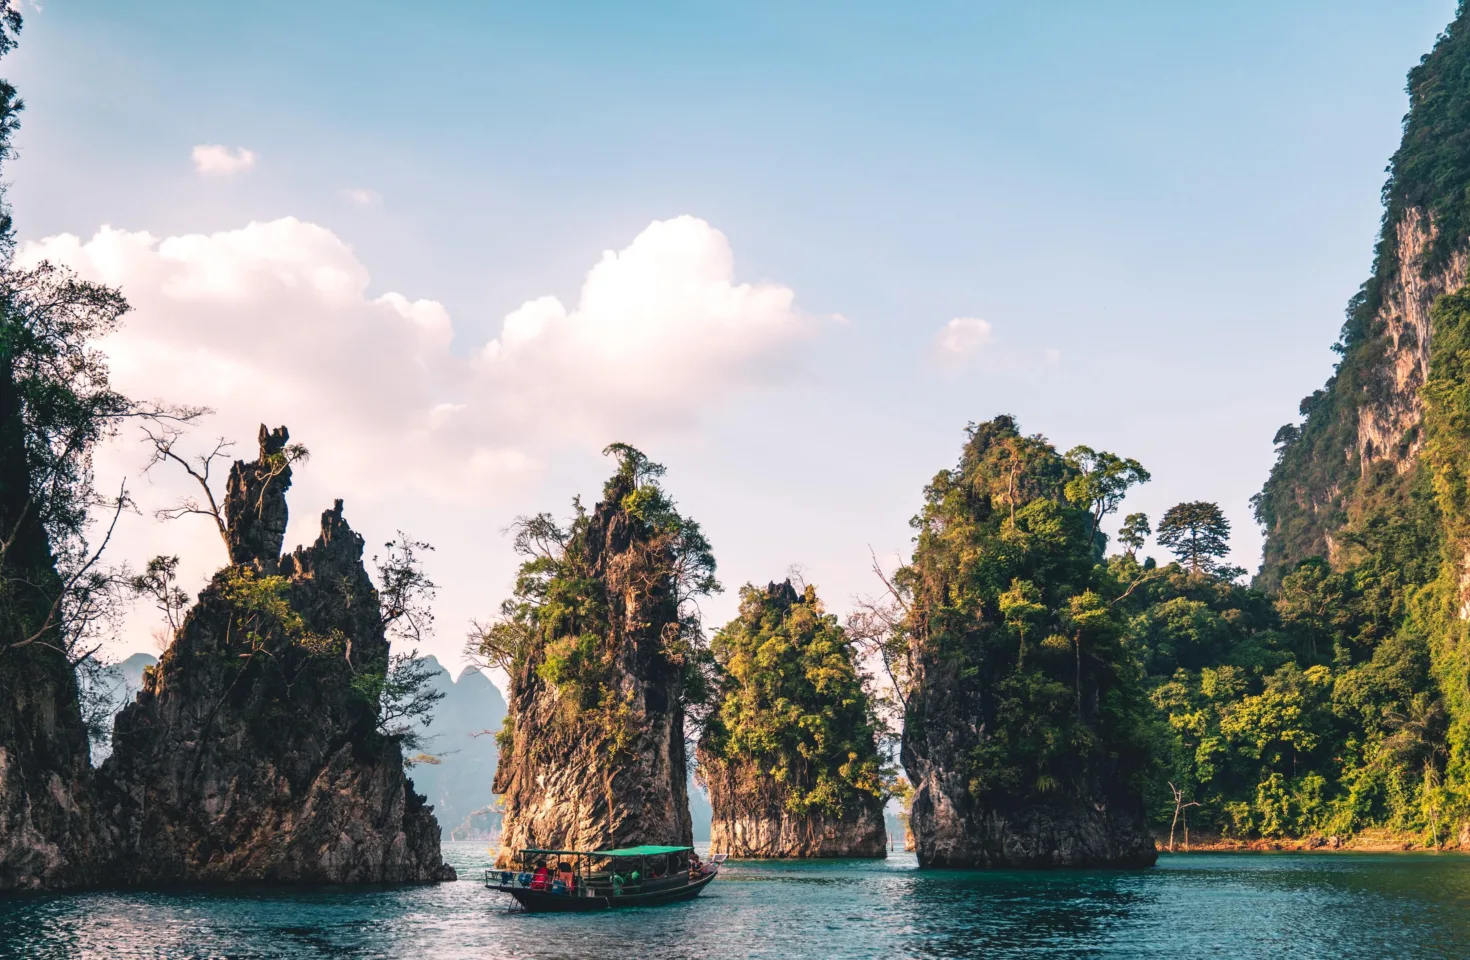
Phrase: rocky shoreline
[1368,841]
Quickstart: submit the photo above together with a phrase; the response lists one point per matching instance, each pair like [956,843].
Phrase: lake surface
[1201,905]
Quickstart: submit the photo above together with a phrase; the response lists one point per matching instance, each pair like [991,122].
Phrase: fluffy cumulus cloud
[660,329]
[960,341]
[275,322]
[215,160]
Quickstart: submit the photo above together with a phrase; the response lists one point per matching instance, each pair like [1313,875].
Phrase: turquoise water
[1200,905]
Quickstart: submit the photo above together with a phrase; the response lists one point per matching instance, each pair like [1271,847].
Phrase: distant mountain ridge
[461,736]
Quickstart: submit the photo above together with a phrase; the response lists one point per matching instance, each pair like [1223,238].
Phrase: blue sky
[1159,209]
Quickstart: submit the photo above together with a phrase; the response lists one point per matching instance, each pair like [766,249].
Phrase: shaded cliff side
[252,752]
[790,754]
[1025,723]
[602,654]
[47,838]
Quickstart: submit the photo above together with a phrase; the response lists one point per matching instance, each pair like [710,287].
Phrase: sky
[788,249]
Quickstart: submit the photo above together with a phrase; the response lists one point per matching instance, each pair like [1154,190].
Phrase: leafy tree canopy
[1198,533]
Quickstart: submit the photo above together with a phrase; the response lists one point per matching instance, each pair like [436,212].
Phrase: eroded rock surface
[949,829]
[252,753]
[750,827]
[600,763]
[47,836]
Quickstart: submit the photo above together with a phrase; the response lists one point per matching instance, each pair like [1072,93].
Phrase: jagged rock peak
[253,753]
[337,551]
[255,501]
[782,594]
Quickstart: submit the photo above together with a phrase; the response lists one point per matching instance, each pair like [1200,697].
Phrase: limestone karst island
[775,480]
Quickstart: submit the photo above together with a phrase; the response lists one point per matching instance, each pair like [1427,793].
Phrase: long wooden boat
[580,880]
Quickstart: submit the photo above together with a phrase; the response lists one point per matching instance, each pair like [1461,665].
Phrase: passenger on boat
[565,875]
[542,879]
[695,867]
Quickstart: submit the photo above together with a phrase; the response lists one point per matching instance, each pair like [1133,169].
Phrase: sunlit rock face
[750,823]
[609,773]
[252,753]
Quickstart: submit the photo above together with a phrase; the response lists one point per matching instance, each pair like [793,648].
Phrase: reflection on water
[1229,905]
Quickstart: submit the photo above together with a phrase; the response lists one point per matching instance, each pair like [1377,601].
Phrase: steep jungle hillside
[1367,551]
[1351,456]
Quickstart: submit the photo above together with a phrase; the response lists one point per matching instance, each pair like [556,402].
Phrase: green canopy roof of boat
[643,851]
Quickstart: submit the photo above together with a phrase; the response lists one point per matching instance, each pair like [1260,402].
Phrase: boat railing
[597,885]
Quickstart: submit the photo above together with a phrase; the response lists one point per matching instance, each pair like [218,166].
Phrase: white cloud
[215,160]
[960,340]
[274,322]
[363,197]
[659,330]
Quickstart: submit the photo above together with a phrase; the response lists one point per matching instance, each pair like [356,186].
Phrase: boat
[580,880]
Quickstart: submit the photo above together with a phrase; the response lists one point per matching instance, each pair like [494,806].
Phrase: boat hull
[540,901]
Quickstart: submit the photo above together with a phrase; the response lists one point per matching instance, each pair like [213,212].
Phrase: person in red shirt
[542,878]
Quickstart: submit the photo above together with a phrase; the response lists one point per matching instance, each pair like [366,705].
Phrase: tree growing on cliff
[406,694]
[1134,532]
[164,437]
[607,661]
[558,608]
[1101,481]
[1198,533]
[159,582]
[794,723]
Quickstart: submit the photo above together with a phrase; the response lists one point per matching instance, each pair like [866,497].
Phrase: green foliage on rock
[792,710]
[1014,629]
[566,619]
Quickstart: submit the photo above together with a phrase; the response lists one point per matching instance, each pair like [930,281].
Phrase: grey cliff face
[952,828]
[574,782]
[750,820]
[251,753]
[1387,421]
[255,502]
